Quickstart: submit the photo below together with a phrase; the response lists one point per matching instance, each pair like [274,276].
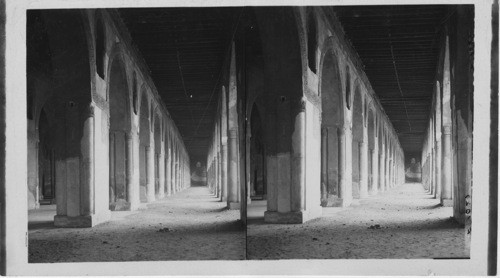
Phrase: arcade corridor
[345,131]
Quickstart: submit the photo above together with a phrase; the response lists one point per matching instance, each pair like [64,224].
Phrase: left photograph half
[133,134]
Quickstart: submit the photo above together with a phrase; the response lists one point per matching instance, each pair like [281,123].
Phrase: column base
[233,205]
[122,205]
[460,218]
[160,196]
[447,202]
[334,201]
[291,217]
[363,194]
[83,221]
[34,206]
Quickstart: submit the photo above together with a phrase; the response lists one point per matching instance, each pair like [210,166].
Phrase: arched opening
[312,40]
[46,161]
[258,188]
[251,61]
[135,103]
[144,144]
[348,93]
[357,141]
[119,131]
[446,131]
[157,153]
[438,124]
[332,123]
[100,45]
[60,120]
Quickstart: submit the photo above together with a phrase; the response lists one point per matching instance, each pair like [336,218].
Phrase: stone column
[374,168]
[219,163]
[247,170]
[388,171]
[132,182]
[297,196]
[343,192]
[174,161]
[87,182]
[174,172]
[232,194]
[446,183]
[223,142]
[161,172]
[150,188]
[382,168]
[437,171]
[324,165]
[219,172]
[387,167]
[232,126]
[75,182]
[224,169]
[393,170]
[181,179]
[430,171]
[363,173]
[168,174]
[172,166]
[130,166]
[177,159]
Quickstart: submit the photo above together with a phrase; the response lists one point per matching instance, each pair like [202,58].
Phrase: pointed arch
[119,132]
[258,188]
[312,39]
[332,124]
[357,139]
[100,44]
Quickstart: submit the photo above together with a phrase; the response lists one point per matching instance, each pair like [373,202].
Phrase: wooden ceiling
[399,47]
[185,49]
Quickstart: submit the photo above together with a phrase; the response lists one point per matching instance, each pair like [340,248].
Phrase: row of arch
[447,148]
[108,145]
[160,164]
[310,138]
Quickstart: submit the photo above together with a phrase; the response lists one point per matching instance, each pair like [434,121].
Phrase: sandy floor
[191,225]
[410,225]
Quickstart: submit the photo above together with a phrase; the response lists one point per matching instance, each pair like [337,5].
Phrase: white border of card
[16,156]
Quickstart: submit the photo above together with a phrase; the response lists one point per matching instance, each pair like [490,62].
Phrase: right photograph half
[358,124]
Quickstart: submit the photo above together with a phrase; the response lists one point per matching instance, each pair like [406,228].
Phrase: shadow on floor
[39,225]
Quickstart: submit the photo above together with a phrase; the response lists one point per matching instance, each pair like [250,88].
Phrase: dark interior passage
[118,133]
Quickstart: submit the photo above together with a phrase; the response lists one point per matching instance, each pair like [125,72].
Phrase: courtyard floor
[403,222]
[191,225]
